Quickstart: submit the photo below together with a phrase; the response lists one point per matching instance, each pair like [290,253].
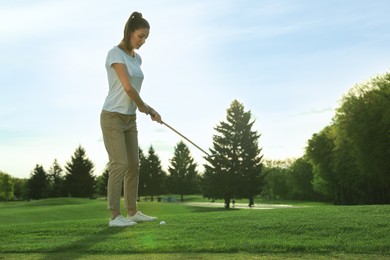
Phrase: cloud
[317,111]
[160,130]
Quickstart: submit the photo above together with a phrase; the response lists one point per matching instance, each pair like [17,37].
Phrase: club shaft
[177,132]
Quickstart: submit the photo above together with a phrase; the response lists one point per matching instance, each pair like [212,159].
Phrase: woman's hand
[154,115]
[144,109]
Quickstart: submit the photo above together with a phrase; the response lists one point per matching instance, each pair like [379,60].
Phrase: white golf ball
[162,223]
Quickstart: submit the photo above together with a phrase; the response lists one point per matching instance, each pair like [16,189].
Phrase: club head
[210,156]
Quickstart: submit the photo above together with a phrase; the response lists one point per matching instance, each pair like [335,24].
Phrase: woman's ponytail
[135,22]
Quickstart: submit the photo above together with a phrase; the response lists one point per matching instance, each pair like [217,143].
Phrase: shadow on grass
[210,209]
[79,248]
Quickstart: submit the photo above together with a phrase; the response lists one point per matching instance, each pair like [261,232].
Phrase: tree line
[345,163]
[348,161]
[351,156]
[79,181]
[233,171]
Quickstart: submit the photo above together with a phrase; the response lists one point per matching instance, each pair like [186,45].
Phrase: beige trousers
[121,141]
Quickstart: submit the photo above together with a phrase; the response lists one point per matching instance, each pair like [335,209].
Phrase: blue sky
[288,61]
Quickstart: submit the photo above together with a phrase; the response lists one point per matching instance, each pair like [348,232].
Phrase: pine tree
[144,176]
[155,176]
[234,167]
[102,182]
[79,179]
[183,174]
[38,185]
[56,180]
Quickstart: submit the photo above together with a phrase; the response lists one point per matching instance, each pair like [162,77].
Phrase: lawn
[78,228]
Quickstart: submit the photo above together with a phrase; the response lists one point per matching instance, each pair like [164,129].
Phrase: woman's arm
[123,76]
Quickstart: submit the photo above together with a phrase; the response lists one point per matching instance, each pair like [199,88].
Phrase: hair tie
[136,15]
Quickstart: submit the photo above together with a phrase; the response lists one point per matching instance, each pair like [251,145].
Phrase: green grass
[77,228]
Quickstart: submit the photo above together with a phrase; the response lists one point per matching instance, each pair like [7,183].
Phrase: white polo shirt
[117,99]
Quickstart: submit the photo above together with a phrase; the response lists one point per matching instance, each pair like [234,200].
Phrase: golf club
[177,132]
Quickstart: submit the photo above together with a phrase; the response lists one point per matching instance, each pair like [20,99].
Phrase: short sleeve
[139,59]
[115,56]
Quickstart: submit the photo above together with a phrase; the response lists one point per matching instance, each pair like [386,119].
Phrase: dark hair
[134,23]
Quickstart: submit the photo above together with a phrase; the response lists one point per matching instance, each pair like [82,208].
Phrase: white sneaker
[121,221]
[139,217]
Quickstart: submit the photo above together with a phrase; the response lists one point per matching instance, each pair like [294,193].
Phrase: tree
[79,179]
[144,176]
[350,184]
[6,187]
[350,156]
[301,178]
[20,188]
[102,182]
[154,175]
[234,169]
[363,125]
[320,154]
[277,179]
[38,185]
[183,174]
[56,180]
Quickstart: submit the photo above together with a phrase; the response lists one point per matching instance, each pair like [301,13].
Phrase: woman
[118,121]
